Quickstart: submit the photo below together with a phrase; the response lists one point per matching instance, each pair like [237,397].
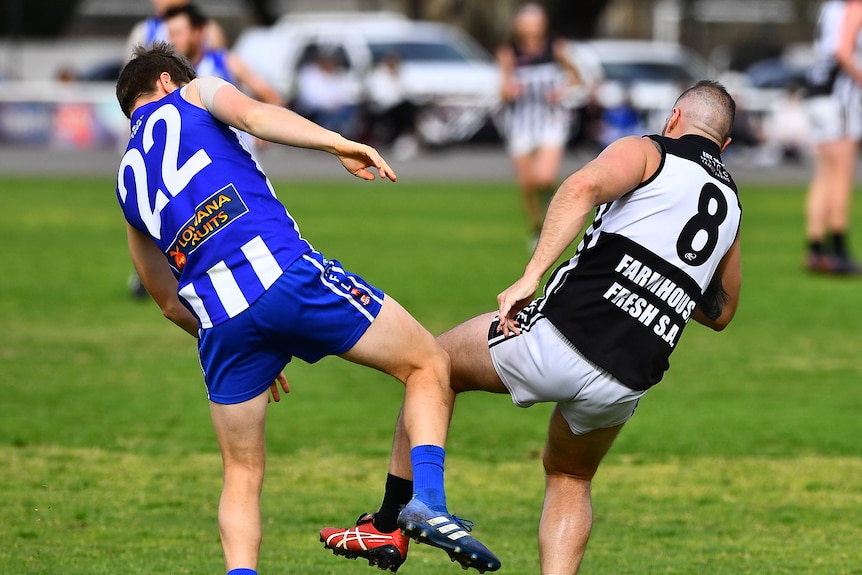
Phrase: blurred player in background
[226,262]
[153,29]
[187,27]
[663,248]
[835,113]
[534,121]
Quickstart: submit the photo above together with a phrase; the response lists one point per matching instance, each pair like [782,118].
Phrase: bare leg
[546,167]
[398,345]
[399,459]
[570,463]
[240,431]
[529,192]
[839,206]
[830,187]
[469,356]
[471,369]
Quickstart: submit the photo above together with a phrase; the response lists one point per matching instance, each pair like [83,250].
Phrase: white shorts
[540,365]
[835,116]
[551,135]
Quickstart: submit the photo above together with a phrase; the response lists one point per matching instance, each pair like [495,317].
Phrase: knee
[431,365]
[572,476]
[244,466]
[566,469]
[439,363]
[243,479]
[545,181]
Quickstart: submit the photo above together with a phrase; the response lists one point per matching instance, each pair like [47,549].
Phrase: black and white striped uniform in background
[834,98]
[533,120]
[625,297]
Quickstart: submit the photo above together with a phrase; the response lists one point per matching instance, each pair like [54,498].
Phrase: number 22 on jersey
[174,176]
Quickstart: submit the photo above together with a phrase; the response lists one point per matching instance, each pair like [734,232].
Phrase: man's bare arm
[720,300]
[157,278]
[620,168]
[846,51]
[280,125]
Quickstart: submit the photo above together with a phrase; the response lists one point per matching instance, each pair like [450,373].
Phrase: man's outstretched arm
[283,126]
[620,168]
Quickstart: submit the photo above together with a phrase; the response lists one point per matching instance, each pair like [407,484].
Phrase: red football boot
[385,550]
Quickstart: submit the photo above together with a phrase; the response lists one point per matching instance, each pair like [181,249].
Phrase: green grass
[745,459]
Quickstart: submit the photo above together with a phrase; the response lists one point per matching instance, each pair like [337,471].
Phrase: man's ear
[166,82]
[673,121]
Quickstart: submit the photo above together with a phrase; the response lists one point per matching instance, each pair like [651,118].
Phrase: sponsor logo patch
[210,217]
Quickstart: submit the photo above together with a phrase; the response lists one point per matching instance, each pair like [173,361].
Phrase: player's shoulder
[636,145]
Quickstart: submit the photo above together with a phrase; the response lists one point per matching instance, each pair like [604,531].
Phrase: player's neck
[150,98]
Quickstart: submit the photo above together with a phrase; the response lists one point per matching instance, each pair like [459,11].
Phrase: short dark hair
[196,17]
[139,75]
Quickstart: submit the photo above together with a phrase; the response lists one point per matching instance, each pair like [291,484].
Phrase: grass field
[744,460]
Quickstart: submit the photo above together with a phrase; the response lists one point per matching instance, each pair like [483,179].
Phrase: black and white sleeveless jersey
[539,77]
[625,297]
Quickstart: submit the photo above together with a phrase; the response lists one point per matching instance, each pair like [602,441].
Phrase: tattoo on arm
[713,299]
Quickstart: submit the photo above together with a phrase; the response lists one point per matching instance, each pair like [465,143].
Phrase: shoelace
[466,524]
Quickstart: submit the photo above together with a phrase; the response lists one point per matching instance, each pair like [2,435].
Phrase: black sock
[398,493]
[839,245]
[815,247]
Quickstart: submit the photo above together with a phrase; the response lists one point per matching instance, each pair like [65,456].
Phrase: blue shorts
[314,309]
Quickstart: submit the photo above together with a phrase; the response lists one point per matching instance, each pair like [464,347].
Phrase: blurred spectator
[73,123]
[391,112]
[589,120]
[535,122]
[186,27]
[835,107]
[66,74]
[153,28]
[327,93]
[787,126]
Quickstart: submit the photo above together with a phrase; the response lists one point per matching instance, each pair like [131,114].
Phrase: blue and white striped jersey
[155,30]
[188,182]
[214,63]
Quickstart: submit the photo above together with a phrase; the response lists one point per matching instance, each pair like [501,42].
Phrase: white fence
[79,115]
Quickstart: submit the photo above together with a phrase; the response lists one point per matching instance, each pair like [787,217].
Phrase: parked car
[772,93]
[104,71]
[771,80]
[451,77]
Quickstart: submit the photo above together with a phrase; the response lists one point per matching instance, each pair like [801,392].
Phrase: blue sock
[242,571]
[428,475]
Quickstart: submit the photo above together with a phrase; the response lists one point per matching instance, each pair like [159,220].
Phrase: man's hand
[514,299]
[280,381]
[358,158]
